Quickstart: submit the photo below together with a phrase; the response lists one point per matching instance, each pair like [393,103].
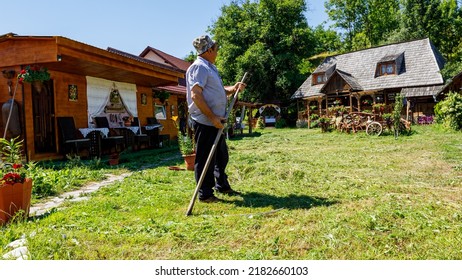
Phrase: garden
[305,195]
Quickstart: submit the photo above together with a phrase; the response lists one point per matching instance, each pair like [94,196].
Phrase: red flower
[17,165]
[12,177]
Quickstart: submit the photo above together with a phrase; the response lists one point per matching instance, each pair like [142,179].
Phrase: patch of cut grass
[305,195]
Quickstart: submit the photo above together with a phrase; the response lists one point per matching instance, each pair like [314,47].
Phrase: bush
[260,123]
[449,111]
[280,123]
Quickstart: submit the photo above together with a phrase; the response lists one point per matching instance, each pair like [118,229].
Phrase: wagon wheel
[374,128]
[358,122]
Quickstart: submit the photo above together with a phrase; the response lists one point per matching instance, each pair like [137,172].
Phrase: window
[160,113]
[319,78]
[387,68]
[390,69]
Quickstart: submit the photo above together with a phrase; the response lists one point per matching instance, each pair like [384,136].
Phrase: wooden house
[454,85]
[361,79]
[82,76]
[177,91]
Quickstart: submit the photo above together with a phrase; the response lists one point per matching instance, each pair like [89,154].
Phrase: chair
[95,144]
[153,134]
[116,142]
[139,138]
[69,138]
[152,120]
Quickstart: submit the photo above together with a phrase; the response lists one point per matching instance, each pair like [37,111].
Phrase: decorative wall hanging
[73,93]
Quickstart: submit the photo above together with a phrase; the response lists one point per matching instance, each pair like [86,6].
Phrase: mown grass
[305,195]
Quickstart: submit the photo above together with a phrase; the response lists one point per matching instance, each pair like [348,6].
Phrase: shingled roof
[419,65]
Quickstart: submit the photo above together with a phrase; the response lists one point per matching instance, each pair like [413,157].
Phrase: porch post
[250,119]
[320,106]
[351,102]
[308,112]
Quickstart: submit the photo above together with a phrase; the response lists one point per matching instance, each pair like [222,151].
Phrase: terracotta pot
[14,198]
[189,160]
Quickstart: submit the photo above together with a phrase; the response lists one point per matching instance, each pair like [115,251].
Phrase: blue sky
[129,26]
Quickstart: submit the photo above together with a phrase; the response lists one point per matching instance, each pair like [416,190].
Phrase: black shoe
[229,192]
[211,199]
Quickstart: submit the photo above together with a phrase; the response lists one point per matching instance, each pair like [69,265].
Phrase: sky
[129,26]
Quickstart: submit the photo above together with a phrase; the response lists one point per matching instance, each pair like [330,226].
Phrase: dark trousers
[215,175]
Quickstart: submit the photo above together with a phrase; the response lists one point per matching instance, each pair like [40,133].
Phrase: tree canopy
[272,40]
[268,38]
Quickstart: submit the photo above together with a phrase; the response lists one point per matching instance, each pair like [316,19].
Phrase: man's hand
[219,122]
[232,89]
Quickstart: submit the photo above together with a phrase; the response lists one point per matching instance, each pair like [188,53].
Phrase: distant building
[359,80]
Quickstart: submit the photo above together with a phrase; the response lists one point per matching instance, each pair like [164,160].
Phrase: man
[207,104]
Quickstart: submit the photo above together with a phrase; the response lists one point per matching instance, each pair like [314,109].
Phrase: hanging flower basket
[34,75]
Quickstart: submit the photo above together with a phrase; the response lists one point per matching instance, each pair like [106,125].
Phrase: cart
[373,124]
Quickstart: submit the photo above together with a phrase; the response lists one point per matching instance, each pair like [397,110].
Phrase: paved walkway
[77,195]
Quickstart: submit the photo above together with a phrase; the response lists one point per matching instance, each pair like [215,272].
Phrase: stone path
[77,195]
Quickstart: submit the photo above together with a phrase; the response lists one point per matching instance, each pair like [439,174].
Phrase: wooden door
[44,113]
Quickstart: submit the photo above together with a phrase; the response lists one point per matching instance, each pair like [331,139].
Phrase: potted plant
[15,186]
[162,95]
[34,75]
[114,158]
[187,149]
[186,146]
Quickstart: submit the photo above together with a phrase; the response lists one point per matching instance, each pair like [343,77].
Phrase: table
[135,129]
[85,131]
[154,126]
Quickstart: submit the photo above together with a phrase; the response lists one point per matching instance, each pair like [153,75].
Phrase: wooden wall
[75,108]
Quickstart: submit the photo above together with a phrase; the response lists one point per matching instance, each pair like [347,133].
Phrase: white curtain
[98,93]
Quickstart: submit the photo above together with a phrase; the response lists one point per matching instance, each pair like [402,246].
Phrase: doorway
[44,113]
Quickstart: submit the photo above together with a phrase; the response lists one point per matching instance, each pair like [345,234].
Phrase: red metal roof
[175,61]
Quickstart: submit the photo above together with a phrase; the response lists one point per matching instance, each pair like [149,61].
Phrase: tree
[190,57]
[365,22]
[269,38]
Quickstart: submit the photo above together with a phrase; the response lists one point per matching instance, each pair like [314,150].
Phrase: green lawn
[305,195]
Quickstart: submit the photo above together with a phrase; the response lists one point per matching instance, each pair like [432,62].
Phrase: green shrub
[280,123]
[449,111]
[260,123]
[314,116]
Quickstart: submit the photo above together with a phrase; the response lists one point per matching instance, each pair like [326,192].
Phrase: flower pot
[14,198]
[114,159]
[189,161]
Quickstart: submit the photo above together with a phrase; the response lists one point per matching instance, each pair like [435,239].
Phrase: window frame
[317,76]
[385,66]
[160,112]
